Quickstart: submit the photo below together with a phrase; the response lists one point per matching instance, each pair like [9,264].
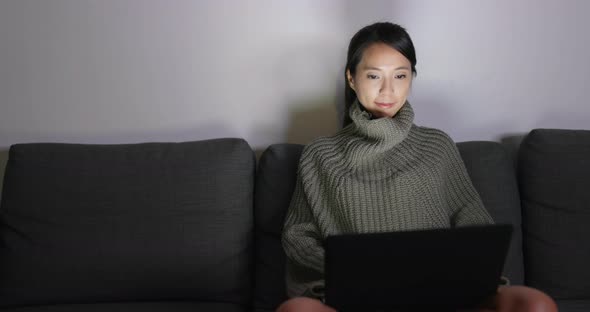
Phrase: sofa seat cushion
[132,222]
[133,307]
[554,171]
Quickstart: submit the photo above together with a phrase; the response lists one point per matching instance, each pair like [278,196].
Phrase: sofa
[195,226]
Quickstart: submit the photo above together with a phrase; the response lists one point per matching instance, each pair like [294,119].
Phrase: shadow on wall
[512,143]
[307,120]
[312,118]
[320,115]
[3,160]
[314,104]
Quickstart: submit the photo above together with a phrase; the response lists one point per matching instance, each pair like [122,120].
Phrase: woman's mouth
[385,105]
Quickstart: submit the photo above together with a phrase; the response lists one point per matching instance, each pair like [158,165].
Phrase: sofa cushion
[275,181]
[488,164]
[554,166]
[153,221]
[491,170]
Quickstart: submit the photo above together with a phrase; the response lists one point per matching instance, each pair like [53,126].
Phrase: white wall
[120,71]
[491,69]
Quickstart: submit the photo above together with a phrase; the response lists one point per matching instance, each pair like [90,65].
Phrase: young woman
[380,173]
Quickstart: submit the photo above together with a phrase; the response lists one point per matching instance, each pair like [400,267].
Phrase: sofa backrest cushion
[275,181]
[554,168]
[491,169]
[152,221]
[488,164]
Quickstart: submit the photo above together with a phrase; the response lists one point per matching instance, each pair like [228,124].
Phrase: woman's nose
[386,86]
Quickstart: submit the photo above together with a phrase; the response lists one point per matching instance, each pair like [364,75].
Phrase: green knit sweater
[375,175]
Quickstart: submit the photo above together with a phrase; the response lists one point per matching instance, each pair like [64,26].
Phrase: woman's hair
[390,34]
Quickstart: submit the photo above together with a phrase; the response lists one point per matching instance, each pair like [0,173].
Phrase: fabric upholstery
[275,181]
[554,166]
[491,170]
[154,221]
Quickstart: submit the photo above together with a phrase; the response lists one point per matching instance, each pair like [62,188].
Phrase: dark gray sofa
[196,226]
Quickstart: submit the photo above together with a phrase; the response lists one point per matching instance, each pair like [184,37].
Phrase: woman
[380,173]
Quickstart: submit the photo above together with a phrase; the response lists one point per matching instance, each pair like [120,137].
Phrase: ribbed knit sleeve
[303,247]
[460,192]
[301,238]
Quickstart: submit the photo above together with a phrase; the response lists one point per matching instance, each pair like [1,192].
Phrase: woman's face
[382,80]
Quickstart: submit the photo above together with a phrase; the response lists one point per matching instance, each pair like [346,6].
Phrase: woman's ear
[350,80]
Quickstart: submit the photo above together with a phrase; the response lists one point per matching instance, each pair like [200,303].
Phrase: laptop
[441,269]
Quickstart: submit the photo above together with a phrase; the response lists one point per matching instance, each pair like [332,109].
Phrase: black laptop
[442,269]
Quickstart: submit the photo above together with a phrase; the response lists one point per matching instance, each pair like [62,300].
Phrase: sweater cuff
[504,281]
[315,290]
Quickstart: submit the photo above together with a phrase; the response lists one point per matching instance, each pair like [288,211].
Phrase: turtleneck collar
[372,140]
[385,130]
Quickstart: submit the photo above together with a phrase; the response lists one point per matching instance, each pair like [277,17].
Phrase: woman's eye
[400,76]
[371,76]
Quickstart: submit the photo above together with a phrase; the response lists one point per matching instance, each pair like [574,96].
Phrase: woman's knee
[527,299]
[304,304]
